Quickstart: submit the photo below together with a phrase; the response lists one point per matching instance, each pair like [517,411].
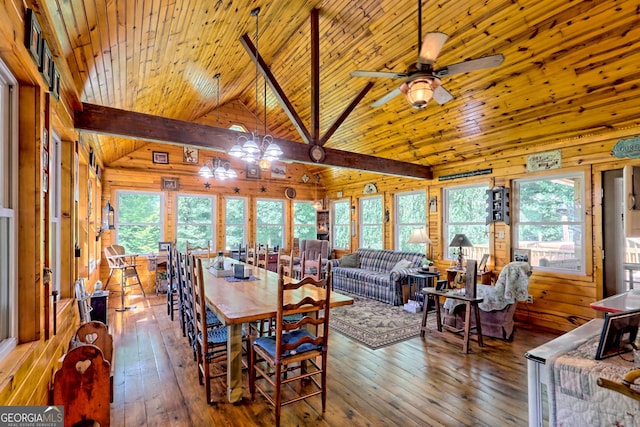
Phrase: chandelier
[255,150]
[218,169]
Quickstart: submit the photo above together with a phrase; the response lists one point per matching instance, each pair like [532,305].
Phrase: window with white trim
[270,222]
[138,221]
[465,212]
[410,213]
[371,226]
[548,223]
[195,220]
[235,222]
[341,226]
[304,220]
[8,209]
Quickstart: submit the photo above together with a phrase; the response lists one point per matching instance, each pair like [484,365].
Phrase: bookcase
[498,205]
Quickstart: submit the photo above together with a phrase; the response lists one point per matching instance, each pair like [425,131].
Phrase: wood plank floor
[420,382]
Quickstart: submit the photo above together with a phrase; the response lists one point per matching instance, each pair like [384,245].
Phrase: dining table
[238,302]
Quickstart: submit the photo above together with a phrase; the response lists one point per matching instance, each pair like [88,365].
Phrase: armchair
[311,250]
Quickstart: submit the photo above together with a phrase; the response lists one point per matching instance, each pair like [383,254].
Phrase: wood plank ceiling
[571,68]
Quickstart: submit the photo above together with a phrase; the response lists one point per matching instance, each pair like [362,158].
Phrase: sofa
[376,274]
[499,302]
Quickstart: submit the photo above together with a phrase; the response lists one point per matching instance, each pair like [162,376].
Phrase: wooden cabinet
[322,225]
[498,205]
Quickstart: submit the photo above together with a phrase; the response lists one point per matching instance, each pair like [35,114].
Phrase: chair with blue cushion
[211,342]
[294,353]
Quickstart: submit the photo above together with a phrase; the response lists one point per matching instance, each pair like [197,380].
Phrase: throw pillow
[403,263]
[350,261]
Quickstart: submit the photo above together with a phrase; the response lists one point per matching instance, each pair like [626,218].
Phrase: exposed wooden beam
[275,88]
[129,124]
[334,127]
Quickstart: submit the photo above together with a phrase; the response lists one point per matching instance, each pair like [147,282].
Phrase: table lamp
[419,236]
[459,241]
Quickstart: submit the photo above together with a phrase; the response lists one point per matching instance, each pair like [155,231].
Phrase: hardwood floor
[420,382]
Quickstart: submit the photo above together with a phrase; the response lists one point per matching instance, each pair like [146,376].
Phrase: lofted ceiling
[571,68]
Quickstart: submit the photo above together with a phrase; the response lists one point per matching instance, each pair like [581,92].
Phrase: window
[8,208]
[341,225]
[410,213]
[466,213]
[371,228]
[138,221]
[235,209]
[549,221]
[54,208]
[304,221]
[195,221]
[270,222]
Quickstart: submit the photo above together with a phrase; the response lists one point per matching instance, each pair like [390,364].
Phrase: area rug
[375,324]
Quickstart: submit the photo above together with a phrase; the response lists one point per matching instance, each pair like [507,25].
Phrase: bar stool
[125,264]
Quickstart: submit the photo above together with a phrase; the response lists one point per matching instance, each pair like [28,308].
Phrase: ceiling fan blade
[388,97]
[471,65]
[431,45]
[441,95]
[378,74]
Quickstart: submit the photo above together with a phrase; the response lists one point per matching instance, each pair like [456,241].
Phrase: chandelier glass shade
[253,150]
[218,169]
[419,92]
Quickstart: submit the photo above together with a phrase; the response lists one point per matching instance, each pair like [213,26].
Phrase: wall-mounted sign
[627,148]
[544,161]
[465,174]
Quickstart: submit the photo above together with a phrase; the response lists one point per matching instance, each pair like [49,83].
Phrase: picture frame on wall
[170,183]
[33,37]
[46,65]
[482,266]
[190,155]
[521,255]
[161,157]
[253,171]
[279,171]
[55,81]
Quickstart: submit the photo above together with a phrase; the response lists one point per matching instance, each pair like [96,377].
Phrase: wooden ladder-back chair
[96,333]
[252,254]
[263,256]
[292,353]
[126,265]
[173,289]
[285,261]
[211,342]
[201,251]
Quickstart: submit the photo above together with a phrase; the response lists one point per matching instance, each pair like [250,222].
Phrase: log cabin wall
[561,301]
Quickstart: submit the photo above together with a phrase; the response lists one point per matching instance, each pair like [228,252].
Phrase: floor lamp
[419,236]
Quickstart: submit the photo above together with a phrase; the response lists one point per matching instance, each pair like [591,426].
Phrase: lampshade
[419,93]
[419,235]
[460,241]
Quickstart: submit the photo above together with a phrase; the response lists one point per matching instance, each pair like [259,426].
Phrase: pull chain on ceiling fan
[422,80]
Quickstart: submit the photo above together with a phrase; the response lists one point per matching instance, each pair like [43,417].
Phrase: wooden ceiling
[571,68]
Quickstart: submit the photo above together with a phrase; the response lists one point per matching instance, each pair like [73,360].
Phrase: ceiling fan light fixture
[419,93]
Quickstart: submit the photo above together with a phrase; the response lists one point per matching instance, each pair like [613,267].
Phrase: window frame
[582,223]
[283,225]
[213,221]
[118,223]
[9,148]
[335,226]
[242,225]
[396,224]
[362,225]
[450,253]
[296,226]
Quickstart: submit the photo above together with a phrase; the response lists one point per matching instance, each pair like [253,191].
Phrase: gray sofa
[373,277]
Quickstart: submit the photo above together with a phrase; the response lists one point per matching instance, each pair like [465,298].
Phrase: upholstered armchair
[311,250]
[499,304]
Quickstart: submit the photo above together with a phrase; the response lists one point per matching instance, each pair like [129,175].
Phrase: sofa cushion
[350,261]
[403,263]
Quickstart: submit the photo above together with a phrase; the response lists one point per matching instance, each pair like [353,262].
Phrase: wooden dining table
[237,303]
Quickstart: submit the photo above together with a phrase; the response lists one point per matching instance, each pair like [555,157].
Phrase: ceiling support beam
[112,121]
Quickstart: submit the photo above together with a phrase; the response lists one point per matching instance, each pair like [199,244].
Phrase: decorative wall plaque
[544,161]
[627,148]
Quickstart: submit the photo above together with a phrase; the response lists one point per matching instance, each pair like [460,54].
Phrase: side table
[99,305]
[471,304]
[419,280]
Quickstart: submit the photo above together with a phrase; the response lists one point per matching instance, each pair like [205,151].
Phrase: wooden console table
[471,304]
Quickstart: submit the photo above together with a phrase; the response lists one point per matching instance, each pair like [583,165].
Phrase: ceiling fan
[422,80]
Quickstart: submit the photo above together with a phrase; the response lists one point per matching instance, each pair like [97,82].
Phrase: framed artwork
[161,157]
[46,65]
[164,246]
[619,332]
[33,37]
[521,255]
[279,171]
[55,81]
[190,155]
[482,266]
[170,184]
[253,171]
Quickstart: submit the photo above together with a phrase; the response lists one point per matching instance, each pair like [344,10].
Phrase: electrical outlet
[501,234]
[529,299]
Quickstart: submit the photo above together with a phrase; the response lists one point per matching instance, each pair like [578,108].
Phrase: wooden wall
[561,301]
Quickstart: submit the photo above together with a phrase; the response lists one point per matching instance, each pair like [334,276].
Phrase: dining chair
[200,250]
[252,254]
[211,342]
[285,260]
[263,256]
[292,353]
[173,289]
[126,265]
